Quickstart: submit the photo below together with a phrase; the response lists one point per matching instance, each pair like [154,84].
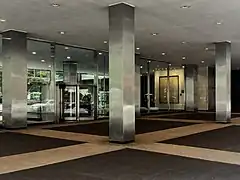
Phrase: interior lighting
[62,32]
[100,53]
[55,5]
[68,57]
[154,34]
[185,7]
[43,60]
[163,53]
[34,53]
[2,20]
[183,58]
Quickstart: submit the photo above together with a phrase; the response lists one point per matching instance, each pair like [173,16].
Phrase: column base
[121,142]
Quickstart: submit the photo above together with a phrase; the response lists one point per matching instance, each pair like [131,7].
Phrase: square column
[138,91]
[122,73]
[191,87]
[223,82]
[14,79]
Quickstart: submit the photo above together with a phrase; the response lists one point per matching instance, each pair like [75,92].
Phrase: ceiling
[86,24]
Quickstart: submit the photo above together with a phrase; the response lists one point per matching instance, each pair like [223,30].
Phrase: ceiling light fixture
[49,66]
[219,23]
[163,53]
[62,32]
[69,57]
[202,62]
[66,48]
[154,34]
[105,42]
[183,42]
[206,48]
[100,53]
[55,5]
[43,60]
[141,67]
[183,58]
[2,20]
[138,48]
[169,64]
[185,7]
[34,53]
[183,66]
[149,61]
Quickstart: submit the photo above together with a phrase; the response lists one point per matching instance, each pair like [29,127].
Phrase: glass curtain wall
[78,69]
[103,84]
[40,87]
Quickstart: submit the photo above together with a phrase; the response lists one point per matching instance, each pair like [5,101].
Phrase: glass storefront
[72,84]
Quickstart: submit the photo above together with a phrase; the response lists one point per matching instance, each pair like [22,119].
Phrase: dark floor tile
[15,143]
[131,165]
[102,129]
[226,139]
[195,116]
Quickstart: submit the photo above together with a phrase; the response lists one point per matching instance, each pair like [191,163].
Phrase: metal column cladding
[138,90]
[14,79]
[122,73]
[223,82]
[70,72]
[191,87]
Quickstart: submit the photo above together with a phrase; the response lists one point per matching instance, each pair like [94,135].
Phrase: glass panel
[85,73]
[40,86]
[103,85]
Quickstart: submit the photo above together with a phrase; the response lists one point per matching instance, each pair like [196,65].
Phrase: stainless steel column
[191,87]
[148,87]
[168,88]
[223,82]
[122,73]
[14,79]
[137,91]
[70,72]
[95,88]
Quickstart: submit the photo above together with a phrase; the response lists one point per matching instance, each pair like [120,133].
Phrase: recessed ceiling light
[169,64]
[202,62]
[154,34]
[55,5]
[69,57]
[34,53]
[62,32]
[185,6]
[100,53]
[141,67]
[183,42]
[206,48]
[2,20]
[49,66]
[138,48]
[105,42]
[149,61]
[183,57]
[219,23]
[163,53]
[66,48]
[183,66]
[43,60]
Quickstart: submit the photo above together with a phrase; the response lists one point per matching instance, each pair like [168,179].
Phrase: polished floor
[193,149]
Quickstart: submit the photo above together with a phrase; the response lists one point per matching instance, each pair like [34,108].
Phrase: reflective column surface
[122,73]
[70,72]
[223,82]
[137,91]
[191,87]
[14,79]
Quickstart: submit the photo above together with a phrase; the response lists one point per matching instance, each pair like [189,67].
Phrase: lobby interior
[100,90]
